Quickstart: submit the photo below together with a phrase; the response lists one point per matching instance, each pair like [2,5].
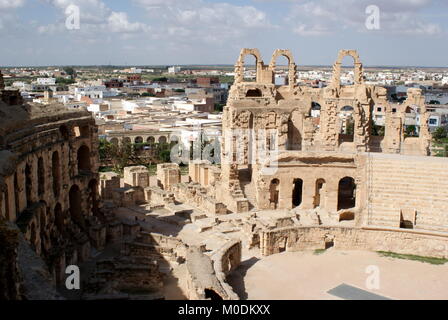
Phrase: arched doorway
[297,193]
[346,193]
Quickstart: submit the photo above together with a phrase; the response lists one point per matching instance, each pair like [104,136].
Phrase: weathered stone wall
[49,179]
[372,239]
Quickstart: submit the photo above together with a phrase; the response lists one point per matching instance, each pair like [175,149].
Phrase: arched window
[151,140]
[162,140]
[138,140]
[114,141]
[84,159]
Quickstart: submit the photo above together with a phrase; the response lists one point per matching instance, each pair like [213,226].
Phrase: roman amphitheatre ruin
[291,181]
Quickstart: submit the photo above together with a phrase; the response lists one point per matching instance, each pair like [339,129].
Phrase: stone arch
[239,67]
[40,176]
[359,73]
[138,139]
[346,193]
[295,129]
[163,140]
[274,193]
[56,173]
[292,68]
[84,159]
[127,140]
[151,140]
[75,200]
[114,141]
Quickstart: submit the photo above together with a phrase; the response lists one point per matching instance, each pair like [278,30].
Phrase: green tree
[439,134]
[411,131]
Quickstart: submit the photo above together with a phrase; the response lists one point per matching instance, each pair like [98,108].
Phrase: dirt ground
[305,275]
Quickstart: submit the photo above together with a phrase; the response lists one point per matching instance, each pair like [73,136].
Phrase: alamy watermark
[373,21]
[73,17]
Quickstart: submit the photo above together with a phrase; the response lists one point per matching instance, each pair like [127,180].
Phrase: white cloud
[95,17]
[11,4]
[322,17]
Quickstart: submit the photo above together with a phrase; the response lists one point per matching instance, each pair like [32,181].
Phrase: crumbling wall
[371,239]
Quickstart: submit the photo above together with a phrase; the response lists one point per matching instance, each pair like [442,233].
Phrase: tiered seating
[409,183]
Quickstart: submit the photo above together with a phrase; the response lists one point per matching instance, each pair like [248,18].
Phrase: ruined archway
[84,159]
[240,65]
[292,68]
[346,193]
[358,69]
[297,193]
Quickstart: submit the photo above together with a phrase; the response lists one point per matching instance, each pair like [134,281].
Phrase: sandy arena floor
[305,275]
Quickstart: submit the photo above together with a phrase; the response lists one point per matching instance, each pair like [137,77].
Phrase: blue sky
[153,32]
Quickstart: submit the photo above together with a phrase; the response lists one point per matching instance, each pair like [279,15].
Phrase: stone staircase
[408,183]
